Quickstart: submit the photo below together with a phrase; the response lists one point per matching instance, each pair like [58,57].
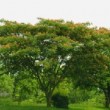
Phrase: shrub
[60,101]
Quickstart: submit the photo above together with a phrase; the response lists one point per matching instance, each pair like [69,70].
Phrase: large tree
[44,51]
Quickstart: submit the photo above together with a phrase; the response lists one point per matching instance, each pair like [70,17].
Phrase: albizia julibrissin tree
[44,50]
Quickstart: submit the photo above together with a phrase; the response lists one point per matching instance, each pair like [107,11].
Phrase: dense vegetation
[54,57]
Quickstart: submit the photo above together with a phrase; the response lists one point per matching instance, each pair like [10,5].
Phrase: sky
[96,12]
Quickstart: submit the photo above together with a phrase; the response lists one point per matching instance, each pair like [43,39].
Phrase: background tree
[25,86]
[92,60]
[6,86]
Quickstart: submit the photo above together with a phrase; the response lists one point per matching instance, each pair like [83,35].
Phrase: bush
[60,101]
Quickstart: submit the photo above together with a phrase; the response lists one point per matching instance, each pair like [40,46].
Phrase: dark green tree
[92,60]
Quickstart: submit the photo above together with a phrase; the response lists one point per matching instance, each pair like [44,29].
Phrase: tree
[45,54]
[92,60]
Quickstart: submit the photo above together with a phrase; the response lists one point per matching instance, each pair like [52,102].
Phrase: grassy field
[7,105]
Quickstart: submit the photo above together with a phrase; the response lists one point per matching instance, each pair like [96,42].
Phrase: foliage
[64,88]
[24,87]
[40,97]
[78,95]
[6,85]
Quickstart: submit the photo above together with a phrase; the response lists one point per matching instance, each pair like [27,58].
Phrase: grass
[6,104]
[86,106]
[26,108]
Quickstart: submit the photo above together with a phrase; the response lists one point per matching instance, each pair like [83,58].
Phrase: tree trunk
[48,99]
[14,90]
[108,91]
[107,100]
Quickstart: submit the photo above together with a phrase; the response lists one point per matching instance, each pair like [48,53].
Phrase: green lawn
[86,106]
[7,105]
[26,108]
[73,107]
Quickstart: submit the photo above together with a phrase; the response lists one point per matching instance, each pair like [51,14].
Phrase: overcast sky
[94,11]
